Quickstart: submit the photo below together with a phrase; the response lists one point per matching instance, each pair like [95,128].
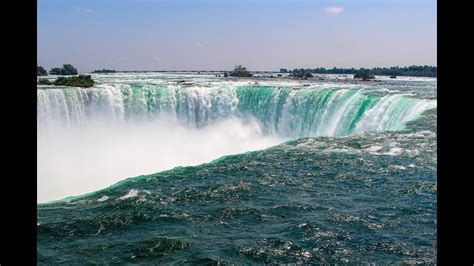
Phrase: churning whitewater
[90,138]
[276,170]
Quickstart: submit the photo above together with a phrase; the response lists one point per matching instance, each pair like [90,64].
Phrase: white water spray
[82,160]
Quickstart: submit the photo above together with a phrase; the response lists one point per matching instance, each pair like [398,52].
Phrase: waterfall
[280,111]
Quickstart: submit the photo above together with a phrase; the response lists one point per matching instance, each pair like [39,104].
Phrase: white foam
[400,167]
[373,148]
[394,151]
[104,198]
[131,194]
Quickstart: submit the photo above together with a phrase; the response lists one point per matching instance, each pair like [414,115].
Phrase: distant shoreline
[257,80]
[222,71]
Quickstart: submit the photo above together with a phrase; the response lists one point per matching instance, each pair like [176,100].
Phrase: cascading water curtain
[281,111]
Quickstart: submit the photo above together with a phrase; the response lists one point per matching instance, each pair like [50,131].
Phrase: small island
[300,73]
[239,71]
[364,74]
[101,71]
[83,81]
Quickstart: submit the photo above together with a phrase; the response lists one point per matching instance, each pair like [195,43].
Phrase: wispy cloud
[83,10]
[198,44]
[156,58]
[333,10]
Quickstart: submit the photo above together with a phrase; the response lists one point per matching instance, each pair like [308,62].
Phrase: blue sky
[219,34]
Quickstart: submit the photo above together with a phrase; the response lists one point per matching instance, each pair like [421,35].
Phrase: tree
[420,71]
[240,71]
[301,73]
[67,69]
[364,74]
[55,71]
[40,71]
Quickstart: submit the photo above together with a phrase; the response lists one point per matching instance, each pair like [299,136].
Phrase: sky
[220,34]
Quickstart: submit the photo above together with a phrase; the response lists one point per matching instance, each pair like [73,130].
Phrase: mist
[82,159]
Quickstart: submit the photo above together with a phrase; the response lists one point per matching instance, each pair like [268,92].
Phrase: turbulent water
[354,180]
[282,110]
